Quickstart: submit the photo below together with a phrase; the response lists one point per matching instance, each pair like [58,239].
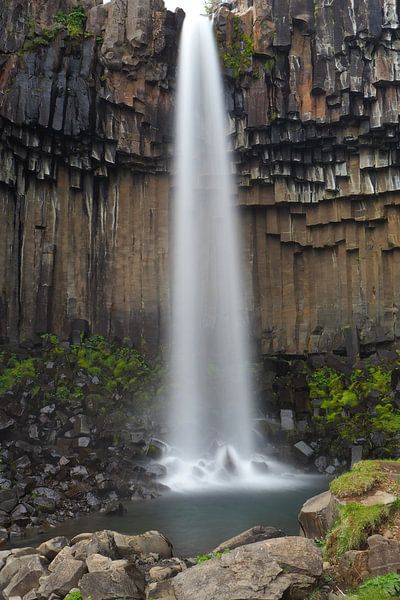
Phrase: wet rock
[287,420]
[304,449]
[6,422]
[113,507]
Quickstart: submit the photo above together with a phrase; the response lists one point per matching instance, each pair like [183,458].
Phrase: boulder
[63,579]
[21,575]
[130,546]
[318,514]
[102,542]
[353,568]
[383,555]
[166,571]
[286,567]
[258,533]
[52,547]
[8,499]
[118,581]
[64,554]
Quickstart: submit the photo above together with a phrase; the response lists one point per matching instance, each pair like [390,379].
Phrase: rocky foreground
[351,536]
[108,565]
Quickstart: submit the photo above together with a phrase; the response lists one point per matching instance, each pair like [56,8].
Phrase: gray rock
[52,547]
[274,569]
[22,574]
[116,582]
[79,472]
[287,420]
[131,546]
[8,499]
[356,454]
[304,449]
[258,533]
[66,576]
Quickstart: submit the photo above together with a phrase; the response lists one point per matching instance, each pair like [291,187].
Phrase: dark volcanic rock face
[84,169]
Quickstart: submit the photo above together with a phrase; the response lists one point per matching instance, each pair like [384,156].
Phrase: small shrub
[204,557]
[359,406]
[239,52]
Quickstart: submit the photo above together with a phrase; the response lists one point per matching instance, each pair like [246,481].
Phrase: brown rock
[318,514]
[65,577]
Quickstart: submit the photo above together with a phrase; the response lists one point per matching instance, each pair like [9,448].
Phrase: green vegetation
[72,23]
[77,595]
[362,478]
[356,522]
[382,587]
[361,405]
[239,52]
[104,377]
[204,557]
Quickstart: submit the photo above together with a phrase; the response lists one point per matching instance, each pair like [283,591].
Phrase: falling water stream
[211,415]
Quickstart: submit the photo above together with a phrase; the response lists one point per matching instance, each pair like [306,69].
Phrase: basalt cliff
[86,154]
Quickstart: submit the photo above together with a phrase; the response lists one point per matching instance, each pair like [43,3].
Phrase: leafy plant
[382,587]
[359,406]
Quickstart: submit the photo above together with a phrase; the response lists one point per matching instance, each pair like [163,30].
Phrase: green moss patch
[363,477]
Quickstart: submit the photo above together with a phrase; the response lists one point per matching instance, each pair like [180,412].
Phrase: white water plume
[210,390]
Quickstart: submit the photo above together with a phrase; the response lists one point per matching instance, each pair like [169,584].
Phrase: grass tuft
[356,522]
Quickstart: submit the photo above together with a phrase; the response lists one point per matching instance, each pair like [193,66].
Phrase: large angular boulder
[274,569]
[116,581]
[258,533]
[63,579]
[22,574]
[151,542]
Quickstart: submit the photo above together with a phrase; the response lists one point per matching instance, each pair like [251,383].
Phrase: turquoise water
[197,523]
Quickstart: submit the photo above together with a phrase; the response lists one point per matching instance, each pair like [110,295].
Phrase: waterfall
[211,403]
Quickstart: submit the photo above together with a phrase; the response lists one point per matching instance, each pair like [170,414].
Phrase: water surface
[197,523]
